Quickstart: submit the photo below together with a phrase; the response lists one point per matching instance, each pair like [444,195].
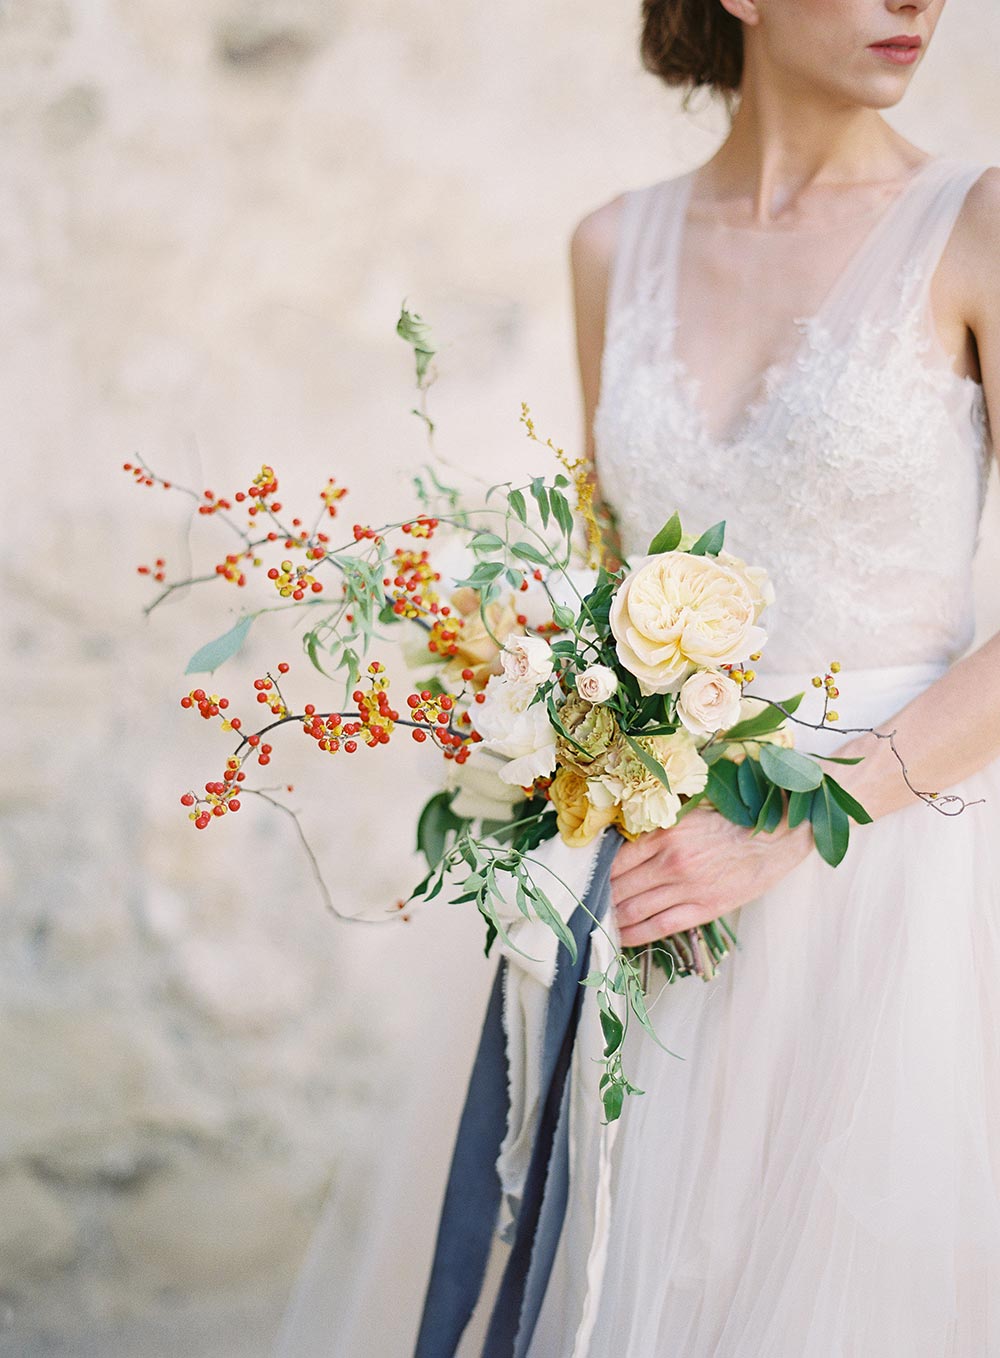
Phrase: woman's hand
[702,867]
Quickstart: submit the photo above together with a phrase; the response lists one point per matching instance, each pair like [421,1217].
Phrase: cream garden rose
[597,683]
[676,613]
[709,701]
[756,577]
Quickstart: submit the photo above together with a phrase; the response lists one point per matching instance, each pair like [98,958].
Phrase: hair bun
[693,42]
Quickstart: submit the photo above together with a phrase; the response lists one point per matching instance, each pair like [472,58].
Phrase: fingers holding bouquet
[670,881]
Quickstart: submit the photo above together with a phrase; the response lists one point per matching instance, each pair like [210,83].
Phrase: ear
[747,11]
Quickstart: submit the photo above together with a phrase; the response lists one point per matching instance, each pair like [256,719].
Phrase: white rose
[526,660]
[596,683]
[481,794]
[676,613]
[708,702]
[520,733]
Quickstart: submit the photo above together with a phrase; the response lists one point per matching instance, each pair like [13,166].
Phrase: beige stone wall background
[211,211]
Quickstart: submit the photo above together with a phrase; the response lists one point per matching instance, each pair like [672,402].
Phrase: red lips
[903,40]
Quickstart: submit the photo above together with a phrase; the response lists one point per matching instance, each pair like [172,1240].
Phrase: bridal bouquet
[567,692]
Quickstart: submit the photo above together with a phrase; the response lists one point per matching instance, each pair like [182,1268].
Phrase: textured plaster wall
[209,214]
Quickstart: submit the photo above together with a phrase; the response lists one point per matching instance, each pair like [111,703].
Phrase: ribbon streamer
[473,1193]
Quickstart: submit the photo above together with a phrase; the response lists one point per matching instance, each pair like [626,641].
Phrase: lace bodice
[857,473]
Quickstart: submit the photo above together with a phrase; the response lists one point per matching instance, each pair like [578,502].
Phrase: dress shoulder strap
[646,228]
[896,263]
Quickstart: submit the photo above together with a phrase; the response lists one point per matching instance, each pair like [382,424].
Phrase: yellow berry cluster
[743,674]
[829,683]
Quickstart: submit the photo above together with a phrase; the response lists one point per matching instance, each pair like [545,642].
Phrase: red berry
[467,675]
[187,799]
[419,736]
[350,746]
[283,668]
[202,821]
[234,803]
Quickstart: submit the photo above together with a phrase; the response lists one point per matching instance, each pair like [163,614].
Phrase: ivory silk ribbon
[513,1143]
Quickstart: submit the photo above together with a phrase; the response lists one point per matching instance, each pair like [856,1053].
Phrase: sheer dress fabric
[816,1171]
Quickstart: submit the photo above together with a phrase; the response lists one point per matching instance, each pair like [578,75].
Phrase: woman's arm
[705,866]
[953,728]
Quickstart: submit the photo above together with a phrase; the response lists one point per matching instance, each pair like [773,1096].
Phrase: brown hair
[694,43]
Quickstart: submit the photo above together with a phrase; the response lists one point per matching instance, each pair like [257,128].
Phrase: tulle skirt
[816,1172]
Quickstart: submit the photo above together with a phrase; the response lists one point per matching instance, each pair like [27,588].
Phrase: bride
[802,336]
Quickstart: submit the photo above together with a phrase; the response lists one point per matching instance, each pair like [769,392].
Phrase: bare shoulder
[592,245]
[975,245]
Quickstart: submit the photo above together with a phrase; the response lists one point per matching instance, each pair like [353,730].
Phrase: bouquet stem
[695,952]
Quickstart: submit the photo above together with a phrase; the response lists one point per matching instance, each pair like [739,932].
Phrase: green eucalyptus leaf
[830,825]
[853,808]
[561,510]
[541,497]
[613,1029]
[793,771]
[765,721]
[668,538]
[769,817]
[798,808]
[752,784]
[524,551]
[437,821]
[491,934]
[613,1098]
[517,503]
[486,542]
[550,916]
[711,541]
[208,658]
[722,790]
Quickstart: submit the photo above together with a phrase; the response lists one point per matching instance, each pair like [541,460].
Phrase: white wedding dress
[815,1172]
[819,1175]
